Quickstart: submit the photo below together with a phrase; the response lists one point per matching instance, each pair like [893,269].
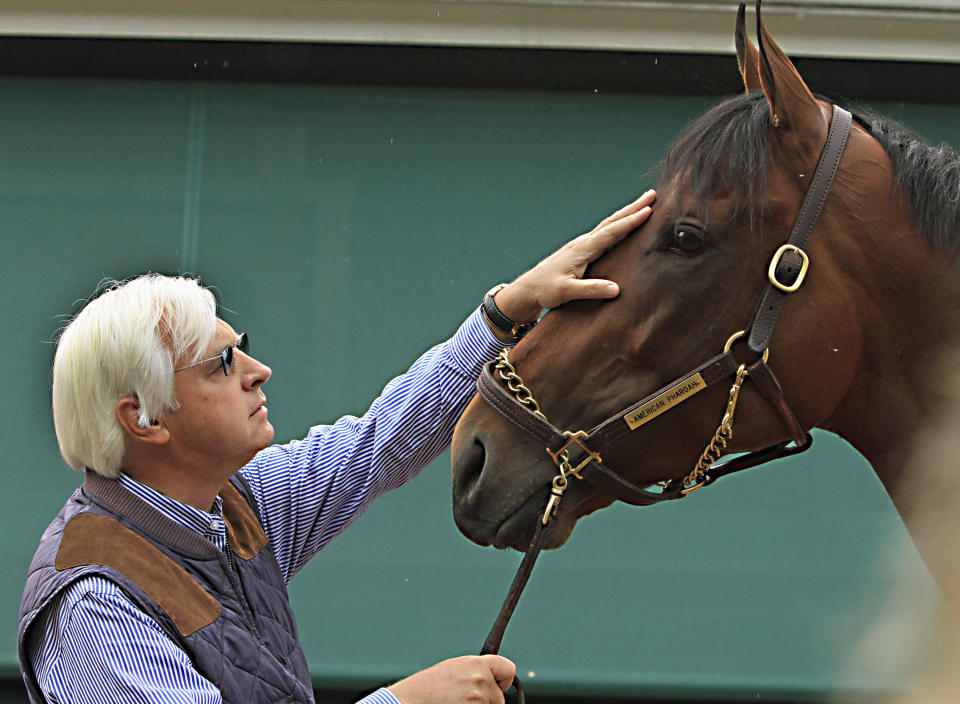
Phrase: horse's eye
[686,240]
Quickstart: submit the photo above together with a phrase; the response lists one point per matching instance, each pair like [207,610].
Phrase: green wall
[349,228]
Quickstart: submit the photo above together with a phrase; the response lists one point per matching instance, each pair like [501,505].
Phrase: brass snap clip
[556,493]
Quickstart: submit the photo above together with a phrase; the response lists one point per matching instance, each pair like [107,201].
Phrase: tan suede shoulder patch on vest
[92,539]
[246,534]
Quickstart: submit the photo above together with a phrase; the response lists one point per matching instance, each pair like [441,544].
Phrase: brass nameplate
[668,399]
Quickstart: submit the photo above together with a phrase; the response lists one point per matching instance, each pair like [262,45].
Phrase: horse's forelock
[725,150]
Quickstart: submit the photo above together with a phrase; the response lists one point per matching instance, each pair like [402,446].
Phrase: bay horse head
[851,351]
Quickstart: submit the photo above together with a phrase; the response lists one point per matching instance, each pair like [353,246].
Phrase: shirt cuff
[473,345]
[381,696]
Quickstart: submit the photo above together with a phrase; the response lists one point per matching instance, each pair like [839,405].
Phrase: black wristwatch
[497,319]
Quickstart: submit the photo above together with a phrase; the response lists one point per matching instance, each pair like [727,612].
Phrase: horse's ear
[748,59]
[791,102]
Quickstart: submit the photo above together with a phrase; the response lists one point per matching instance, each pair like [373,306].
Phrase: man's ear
[128,416]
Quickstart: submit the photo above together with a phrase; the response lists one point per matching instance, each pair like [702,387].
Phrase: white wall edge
[848,31]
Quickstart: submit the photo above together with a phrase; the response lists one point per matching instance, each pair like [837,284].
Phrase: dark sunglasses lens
[228,353]
[227,357]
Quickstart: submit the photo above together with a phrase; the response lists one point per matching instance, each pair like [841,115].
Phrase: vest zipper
[241,595]
[233,567]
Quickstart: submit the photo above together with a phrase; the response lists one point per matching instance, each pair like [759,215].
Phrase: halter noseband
[516,403]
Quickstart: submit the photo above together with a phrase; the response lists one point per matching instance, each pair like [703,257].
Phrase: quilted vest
[230,615]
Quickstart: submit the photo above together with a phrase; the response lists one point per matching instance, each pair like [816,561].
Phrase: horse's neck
[910,329]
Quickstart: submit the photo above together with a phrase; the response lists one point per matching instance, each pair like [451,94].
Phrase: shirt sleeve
[381,696]
[96,646]
[309,490]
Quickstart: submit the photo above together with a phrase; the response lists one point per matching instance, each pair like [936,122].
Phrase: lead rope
[491,646]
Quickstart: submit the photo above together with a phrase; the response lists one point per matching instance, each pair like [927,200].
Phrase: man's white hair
[125,343]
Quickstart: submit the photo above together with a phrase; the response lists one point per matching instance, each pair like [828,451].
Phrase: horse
[866,304]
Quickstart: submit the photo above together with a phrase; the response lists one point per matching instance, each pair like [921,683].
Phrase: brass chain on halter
[516,385]
[718,444]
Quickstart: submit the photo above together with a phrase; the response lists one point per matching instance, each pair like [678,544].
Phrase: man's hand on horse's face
[558,278]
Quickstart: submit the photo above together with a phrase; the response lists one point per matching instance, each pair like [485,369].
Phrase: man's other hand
[477,679]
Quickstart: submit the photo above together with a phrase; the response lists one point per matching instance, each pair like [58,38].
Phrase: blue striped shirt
[93,645]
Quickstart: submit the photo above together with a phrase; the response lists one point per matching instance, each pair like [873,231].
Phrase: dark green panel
[347,229]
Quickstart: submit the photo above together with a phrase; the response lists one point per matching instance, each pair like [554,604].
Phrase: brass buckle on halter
[772,270]
[561,457]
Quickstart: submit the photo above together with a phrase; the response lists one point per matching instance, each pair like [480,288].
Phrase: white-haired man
[163,579]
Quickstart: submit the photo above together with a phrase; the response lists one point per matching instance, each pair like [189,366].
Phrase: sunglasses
[226,357]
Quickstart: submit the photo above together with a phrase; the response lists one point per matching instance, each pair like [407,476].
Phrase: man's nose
[255,372]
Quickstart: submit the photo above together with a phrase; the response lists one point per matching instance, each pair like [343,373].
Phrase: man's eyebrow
[215,355]
[231,343]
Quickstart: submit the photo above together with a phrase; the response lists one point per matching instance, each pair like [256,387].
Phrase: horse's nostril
[469,459]
[472,461]
[468,464]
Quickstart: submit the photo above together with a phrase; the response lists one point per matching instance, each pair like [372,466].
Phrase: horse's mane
[726,149]
[929,175]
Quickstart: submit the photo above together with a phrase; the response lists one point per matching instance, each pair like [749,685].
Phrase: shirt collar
[198,521]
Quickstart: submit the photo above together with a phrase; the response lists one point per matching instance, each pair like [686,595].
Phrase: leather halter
[785,275]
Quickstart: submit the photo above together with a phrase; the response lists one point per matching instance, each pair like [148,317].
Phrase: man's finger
[599,241]
[590,288]
[502,669]
[643,201]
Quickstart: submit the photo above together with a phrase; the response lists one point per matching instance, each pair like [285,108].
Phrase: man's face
[222,421]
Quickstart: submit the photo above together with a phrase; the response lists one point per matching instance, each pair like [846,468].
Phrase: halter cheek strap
[789,264]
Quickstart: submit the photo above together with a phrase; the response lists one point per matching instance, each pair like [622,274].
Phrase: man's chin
[262,444]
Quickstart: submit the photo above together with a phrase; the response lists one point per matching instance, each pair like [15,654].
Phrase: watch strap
[497,319]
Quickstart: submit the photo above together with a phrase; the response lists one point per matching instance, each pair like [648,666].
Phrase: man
[163,579]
